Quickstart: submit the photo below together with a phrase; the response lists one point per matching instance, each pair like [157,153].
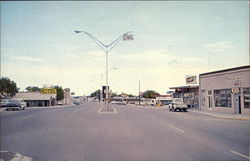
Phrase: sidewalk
[221,115]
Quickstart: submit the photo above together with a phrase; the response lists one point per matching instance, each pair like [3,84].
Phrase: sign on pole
[48,91]
[191,79]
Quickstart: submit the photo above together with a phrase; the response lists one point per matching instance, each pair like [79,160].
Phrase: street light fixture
[106,49]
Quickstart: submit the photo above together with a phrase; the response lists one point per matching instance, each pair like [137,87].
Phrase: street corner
[13,156]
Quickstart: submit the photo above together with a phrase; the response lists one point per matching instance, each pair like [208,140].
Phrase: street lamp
[106,49]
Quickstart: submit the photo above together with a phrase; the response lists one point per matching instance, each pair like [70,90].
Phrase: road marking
[76,110]
[105,112]
[240,154]
[27,117]
[176,128]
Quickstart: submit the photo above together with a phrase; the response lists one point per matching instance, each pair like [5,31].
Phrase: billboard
[48,91]
[191,79]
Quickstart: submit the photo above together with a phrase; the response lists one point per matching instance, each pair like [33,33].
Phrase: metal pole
[101,95]
[139,93]
[107,103]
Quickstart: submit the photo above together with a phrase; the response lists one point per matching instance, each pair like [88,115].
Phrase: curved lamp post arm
[98,42]
[105,48]
[115,42]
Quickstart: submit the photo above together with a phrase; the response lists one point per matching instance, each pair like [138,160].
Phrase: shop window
[246,95]
[203,97]
[222,98]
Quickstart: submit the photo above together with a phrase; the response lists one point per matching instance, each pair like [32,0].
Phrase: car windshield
[14,101]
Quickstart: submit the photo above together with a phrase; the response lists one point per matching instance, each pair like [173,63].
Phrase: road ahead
[79,133]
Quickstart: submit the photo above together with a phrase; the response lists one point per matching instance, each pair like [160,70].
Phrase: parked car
[16,104]
[3,102]
[178,104]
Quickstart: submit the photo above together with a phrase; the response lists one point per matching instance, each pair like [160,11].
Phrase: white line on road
[27,117]
[76,110]
[176,128]
[240,154]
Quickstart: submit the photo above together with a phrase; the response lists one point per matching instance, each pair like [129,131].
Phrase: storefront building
[36,98]
[190,95]
[226,90]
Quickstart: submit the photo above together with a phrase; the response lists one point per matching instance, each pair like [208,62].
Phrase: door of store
[238,103]
[209,101]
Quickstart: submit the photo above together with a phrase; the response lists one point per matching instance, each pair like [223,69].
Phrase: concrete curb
[220,116]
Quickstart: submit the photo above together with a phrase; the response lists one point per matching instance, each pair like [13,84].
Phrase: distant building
[226,90]
[67,99]
[36,98]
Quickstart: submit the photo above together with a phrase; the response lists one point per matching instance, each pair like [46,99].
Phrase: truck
[178,104]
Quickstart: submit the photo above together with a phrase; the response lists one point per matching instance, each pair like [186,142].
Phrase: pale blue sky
[172,39]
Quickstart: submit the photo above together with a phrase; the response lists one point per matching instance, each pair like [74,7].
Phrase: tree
[114,94]
[59,93]
[33,89]
[96,93]
[131,95]
[150,94]
[8,87]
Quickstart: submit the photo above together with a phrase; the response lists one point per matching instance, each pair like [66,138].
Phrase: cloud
[147,56]
[27,58]
[220,46]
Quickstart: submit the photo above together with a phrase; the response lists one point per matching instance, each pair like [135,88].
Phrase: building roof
[191,86]
[31,96]
[226,70]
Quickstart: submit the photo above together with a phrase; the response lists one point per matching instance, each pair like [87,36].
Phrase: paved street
[79,133]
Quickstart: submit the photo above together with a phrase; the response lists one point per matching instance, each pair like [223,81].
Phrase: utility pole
[139,93]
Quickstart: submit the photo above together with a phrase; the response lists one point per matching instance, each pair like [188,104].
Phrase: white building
[226,90]
[36,98]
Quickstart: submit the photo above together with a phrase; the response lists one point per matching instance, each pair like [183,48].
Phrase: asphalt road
[78,133]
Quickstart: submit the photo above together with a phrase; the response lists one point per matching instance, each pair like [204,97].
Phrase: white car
[178,104]
[16,104]
[4,102]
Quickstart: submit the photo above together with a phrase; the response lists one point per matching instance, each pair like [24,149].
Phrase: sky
[172,39]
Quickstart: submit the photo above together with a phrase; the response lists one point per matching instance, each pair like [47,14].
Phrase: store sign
[235,90]
[48,91]
[191,79]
